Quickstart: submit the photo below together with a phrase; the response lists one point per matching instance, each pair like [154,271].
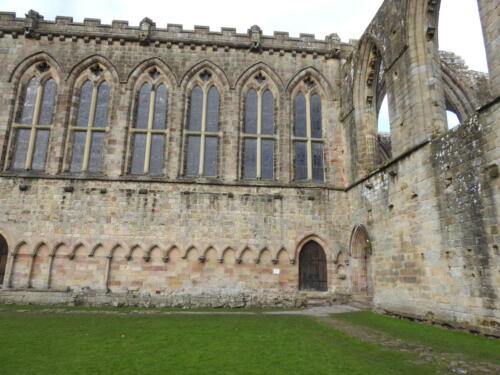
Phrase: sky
[459,29]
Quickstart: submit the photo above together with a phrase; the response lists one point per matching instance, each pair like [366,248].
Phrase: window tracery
[34,120]
[201,134]
[308,133]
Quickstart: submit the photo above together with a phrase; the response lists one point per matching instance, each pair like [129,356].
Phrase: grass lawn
[51,343]
[440,339]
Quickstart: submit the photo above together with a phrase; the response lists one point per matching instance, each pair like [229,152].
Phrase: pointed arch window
[202,129]
[308,137]
[259,137]
[149,130]
[90,126]
[34,120]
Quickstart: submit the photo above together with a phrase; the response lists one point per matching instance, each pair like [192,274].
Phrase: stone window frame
[87,74]
[270,85]
[308,91]
[43,70]
[213,81]
[147,76]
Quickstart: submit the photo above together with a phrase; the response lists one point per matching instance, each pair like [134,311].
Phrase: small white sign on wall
[276,271]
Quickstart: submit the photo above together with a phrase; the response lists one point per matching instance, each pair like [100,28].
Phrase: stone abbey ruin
[158,166]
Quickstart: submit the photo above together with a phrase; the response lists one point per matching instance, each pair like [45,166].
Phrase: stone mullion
[284,156]
[230,141]
[57,140]
[174,136]
[114,154]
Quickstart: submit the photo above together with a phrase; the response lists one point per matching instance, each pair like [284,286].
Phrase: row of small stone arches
[244,254]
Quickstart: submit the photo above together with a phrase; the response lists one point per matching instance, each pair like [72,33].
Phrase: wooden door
[312,268]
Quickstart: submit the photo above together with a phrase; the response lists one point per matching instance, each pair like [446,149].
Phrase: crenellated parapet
[147,33]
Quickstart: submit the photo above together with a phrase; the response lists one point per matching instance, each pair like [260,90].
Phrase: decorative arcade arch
[360,251]
[4,251]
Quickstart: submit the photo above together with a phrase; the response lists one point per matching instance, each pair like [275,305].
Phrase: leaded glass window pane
[138,153]
[300,123]
[267,159]
[195,109]
[101,109]
[210,162]
[78,151]
[21,148]
[157,154]
[213,110]
[317,162]
[95,157]
[143,99]
[316,131]
[250,158]
[251,112]
[48,99]
[300,164]
[82,118]
[192,155]
[160,114]
[40,151]
[29,102]
[267,113]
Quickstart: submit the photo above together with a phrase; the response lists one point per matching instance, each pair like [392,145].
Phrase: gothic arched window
[202,129]
[90,125]
[308,137]
[259,137]
[34,120]
[149,130]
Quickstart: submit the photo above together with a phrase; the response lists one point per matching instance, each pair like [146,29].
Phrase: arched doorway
[312,268]
[4,251]
[360,249]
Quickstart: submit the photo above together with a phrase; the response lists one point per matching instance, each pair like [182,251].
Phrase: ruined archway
[312,267]
[360,251]
[4,251]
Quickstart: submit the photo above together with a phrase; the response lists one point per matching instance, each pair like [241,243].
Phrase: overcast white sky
[459,29]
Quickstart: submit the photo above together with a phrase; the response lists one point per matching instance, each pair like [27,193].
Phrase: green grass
[130,308]
[440,339]
[188,345]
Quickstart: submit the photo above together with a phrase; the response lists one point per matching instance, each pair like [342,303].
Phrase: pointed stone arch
[190,73]
[255,69]
[4,254]
[143,66]
[27,62]
[87,62]
[324,87]
[313,270]
[360,250]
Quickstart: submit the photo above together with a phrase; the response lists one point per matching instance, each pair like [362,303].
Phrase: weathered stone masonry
[411,231]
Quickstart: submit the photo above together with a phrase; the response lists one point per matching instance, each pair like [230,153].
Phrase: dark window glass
[101,109]
[47,107]
[82,118]
[317,162]
[29,102]
[160,115]
[192,155]
[210,167]
[251,112]
[195,108]
[300,116]
[21,148]
[40,151]
[267,159]
[143,99]
[139,151]
[267,113]
[157,154]
[316,131]
[300,162]
[95,157]
[78,151]
[213,110]
[249,158]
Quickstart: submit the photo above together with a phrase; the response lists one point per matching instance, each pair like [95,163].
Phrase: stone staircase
[316,299]
[361,302]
